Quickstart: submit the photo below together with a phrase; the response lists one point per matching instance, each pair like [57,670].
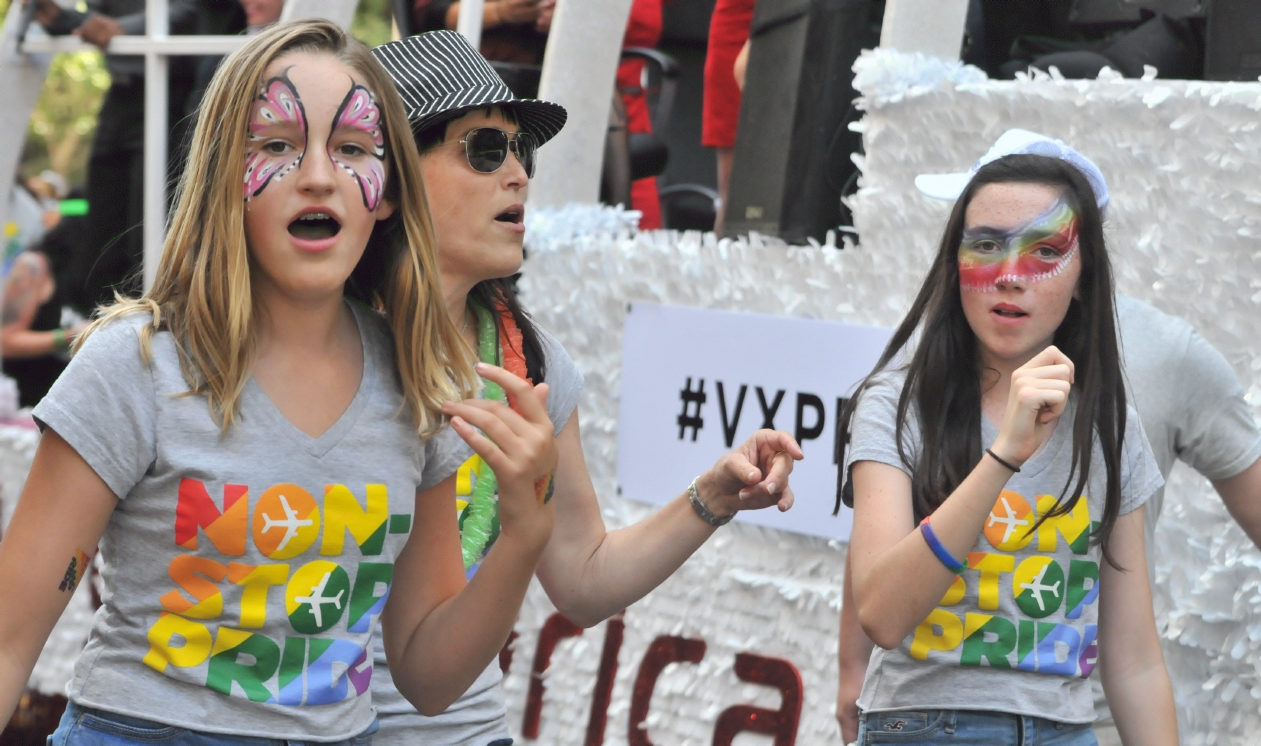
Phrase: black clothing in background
[68,238]
[1007,20]
[36,375]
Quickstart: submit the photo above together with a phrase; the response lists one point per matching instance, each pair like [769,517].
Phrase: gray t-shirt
[1017,631]
[478,717]
[1191,405]
[245,570]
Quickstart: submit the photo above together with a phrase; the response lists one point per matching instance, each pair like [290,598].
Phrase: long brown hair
[943,377]
[202,290]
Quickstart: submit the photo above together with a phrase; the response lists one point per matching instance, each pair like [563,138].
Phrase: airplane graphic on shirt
[1010,521]
[317,599]
[290,524]
[1036,587]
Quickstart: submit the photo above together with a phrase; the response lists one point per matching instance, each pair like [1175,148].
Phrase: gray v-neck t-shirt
[479,716]
[1017,632]
[244,571]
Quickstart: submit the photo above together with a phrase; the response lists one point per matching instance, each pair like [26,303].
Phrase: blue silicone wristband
[947,559]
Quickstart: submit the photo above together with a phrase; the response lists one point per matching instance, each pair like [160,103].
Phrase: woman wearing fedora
[478,145]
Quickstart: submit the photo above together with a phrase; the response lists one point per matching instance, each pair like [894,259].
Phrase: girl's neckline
[318,447]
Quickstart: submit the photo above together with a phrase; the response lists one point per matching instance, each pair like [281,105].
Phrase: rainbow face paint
[1037,250]
[277,105]
[359,111]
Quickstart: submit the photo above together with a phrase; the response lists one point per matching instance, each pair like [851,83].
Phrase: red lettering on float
[662,652]
[604,681]
[555,629]
[781,723]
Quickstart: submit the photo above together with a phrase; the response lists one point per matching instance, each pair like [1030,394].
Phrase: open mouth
[314,226]
[1010,313]
[511,215]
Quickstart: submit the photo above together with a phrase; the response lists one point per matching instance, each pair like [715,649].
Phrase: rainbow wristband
[947,559]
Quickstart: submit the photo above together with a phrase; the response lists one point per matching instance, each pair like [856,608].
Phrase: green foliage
[59,135]
[372,24]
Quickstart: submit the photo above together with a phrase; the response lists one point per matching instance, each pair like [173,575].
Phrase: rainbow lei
[479,526]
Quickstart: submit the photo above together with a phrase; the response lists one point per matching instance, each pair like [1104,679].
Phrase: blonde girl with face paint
[998,480]
[250,444]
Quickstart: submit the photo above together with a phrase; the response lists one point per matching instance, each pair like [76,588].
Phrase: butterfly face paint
[277,105]
[359,111]
[1035,251]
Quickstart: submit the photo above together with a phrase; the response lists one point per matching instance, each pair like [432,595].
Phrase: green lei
[479,525]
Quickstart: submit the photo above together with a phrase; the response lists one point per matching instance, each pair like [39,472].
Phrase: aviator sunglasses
[487,148]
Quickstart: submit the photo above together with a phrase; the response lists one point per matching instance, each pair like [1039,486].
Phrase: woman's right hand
[1038,395]
[520,448]
[517,11]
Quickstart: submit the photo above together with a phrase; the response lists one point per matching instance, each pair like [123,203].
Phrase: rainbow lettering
[330,606]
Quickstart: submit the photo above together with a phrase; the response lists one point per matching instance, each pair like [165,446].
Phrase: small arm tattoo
[74,572]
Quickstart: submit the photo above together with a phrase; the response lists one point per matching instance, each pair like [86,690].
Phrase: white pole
[155,139]
[470,21]
[933,27]
[579,70]
[21,80]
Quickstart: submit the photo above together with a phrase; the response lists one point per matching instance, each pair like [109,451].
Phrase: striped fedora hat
[439,73]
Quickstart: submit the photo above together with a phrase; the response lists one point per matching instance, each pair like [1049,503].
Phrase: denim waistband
[85,726]
[971,727]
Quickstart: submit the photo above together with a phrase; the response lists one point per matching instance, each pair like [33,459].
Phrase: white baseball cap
[1016,142]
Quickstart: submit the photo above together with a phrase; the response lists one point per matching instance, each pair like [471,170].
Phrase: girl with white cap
[998,479]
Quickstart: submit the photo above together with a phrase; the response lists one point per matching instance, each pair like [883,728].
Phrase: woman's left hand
[520,448]
[753,476]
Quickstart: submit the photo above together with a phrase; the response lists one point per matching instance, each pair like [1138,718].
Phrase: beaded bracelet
[947,559]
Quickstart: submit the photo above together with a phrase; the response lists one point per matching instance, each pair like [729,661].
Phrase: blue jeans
[81,726]
[973,728]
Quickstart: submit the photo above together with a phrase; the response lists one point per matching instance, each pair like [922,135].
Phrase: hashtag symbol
[695,400]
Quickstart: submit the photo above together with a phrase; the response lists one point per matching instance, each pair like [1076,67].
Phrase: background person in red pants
[643,29]
[728,35]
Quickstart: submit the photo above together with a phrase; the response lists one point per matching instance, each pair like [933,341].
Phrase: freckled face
[1019,264]
[314,174]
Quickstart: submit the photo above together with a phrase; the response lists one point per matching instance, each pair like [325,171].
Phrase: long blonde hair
[202,290]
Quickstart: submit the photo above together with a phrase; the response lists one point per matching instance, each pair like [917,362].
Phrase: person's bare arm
[741,65]
[1242,496]
[591,574]
[1134,676]
[498,12]
[440,634]
[99,30]
[18,342]
[854,653]
[59,519]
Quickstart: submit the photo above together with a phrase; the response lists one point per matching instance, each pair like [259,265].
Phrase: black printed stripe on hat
[440,72]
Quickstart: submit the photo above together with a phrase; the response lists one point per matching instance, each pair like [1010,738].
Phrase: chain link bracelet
[704,512]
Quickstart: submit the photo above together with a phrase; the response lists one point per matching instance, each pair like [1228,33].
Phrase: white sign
[697,382]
